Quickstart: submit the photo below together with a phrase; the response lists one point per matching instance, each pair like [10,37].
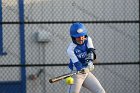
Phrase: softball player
[82,53]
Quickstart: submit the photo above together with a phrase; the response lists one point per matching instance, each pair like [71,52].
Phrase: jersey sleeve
[90,43]
[71,54]
[91,55]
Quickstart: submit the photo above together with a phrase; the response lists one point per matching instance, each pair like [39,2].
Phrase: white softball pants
[88,81]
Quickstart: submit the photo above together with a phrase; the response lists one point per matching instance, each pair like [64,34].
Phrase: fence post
[22,45]
[1,31]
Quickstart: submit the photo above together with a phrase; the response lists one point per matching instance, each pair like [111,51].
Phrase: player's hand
[90,66]
[84,70]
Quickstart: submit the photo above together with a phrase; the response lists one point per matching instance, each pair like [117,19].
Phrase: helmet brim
[79,35]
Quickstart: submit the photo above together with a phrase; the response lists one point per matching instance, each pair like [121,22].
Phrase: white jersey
[79,52]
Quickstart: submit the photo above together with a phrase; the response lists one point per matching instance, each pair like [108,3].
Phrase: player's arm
[91,55]
[74,58]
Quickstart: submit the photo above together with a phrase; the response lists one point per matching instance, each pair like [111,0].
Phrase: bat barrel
[56,79]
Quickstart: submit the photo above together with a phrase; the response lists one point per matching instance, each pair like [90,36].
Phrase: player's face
[80,40]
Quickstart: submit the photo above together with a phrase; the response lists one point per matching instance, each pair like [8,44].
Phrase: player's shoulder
[89,42]
[71,47]
[89,38]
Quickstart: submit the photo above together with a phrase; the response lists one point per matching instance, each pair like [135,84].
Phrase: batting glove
[90,66]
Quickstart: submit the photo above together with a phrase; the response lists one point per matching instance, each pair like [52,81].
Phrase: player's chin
[80,42]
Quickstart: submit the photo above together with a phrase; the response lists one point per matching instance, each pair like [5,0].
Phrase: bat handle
[50,81]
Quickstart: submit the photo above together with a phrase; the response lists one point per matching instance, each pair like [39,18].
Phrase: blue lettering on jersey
[81,52]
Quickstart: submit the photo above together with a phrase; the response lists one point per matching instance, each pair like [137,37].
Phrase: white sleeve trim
[90,44]
[71,53]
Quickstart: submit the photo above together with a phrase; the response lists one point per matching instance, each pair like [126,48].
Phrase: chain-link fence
[34,36]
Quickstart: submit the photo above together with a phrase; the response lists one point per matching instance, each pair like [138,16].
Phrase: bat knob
[50,81]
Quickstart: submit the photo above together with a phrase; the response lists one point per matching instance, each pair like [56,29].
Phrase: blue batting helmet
[77,30]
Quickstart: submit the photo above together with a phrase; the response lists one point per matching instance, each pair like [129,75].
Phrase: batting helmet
[77,30]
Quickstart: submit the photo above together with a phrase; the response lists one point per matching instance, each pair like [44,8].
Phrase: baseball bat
[58,78]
